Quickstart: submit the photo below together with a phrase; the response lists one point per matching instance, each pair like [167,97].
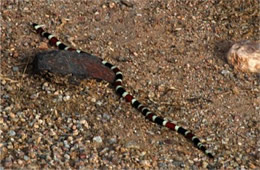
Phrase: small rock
[112,140]
[106,116]
[177,163]
[245,56]
[204,164]
[93,100]
[70,138]
[162,165]
[112,5]
[132,145]
[145,163]
[15,68]
[66,156]
[12,115]
[9,88]
[19,113]
[104,150]
[66,144]
[161,88]
[12,133]
[235,90]
[3,82]
[66,98]
[26,158]
[20,162]
[8,108]
[127,3]
[99,103]
[34,96]
[36,126]
[75,132]
[252,166]
[45,84]
[151,94]
[225,72]
[97,139]
[59,98]
[43,46]
[82,156]
[84,122]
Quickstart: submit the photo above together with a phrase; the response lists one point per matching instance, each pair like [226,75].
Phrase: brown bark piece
[81,65]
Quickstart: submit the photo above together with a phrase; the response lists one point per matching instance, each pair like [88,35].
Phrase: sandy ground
[172,55]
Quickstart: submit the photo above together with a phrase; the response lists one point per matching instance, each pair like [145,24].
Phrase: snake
[120,90]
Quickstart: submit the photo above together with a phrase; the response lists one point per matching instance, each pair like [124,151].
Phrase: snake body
[53,41]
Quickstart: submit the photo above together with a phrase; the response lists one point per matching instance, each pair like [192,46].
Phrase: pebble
[6,96]
[106,116]
[127,3]
[75,132]
[45,84]
[66,156]
[82,156]
[12,115]
[225,72]
[20,162]
[161,88]
[26,158]
[36,126]
[9,88]
[103,150]
[85,123]
[97,139]
[74,127]
[177,163]
[132,145]
[59,98]
[162,165]
[204,164]
[93,100]
[66,98]
[99,103]
[252,166]
[112,5]
[145,163]
[15,69]
[143,153]
[112,140]
[3,82]
[34,96]
[70,138]
[151,94]
[66,144]
[12,133]
[235,90]
[43,46]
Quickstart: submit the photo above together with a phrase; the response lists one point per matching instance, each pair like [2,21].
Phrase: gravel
[172,56]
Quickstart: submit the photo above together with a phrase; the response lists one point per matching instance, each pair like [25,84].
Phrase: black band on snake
[128,97]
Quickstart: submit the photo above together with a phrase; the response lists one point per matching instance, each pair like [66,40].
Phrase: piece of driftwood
[245,56]
[84,66]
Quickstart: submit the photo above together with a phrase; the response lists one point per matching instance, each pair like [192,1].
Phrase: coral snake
[53,41]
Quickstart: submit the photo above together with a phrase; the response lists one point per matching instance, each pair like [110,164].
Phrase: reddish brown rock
[70,62]
[245,56]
